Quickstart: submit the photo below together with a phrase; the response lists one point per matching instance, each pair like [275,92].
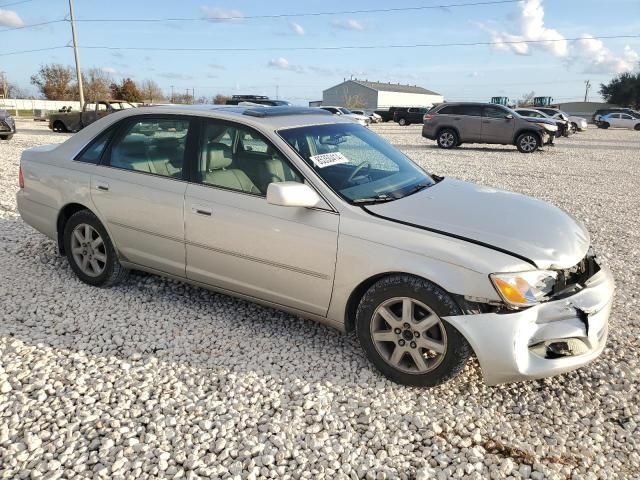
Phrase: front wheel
[90,252]
[400,328]
[6,137]
[604,125]
[402,122]
[637,127]
[448,138]
[574,128]
[528,142]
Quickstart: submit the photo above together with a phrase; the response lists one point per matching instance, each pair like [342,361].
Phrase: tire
[448,138]
[84,225]
[604,125]
[528,142]
[637,127]
[397,355]
[58,126]
[402,122]
[7,137]
[574,127]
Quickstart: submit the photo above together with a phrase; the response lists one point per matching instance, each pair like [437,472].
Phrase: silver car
[318,216]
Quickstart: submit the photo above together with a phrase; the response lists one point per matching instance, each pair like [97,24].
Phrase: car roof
[253,115]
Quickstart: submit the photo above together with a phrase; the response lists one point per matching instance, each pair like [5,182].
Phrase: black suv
[259,99]
[408,115]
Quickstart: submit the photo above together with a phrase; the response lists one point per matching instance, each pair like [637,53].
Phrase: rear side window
[447,110]
[495,112]
[152,145]
[94,151]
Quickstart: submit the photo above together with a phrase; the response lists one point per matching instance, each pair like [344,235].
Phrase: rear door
[614,120]
[627,121]
[139,190]
[497,127]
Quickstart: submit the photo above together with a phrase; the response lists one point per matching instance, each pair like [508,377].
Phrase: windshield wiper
[417,188]
[378,199]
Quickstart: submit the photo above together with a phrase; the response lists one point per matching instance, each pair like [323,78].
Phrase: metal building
[368,95]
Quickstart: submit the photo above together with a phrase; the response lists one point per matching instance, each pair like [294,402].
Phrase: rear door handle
[201,210]
[102,186]
[486,121]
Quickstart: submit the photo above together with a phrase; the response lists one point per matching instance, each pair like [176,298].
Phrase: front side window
[626,117]
[356,163]
[495,112]
[238,158]
[152,145]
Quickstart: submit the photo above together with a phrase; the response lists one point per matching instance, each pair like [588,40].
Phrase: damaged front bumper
[543,340]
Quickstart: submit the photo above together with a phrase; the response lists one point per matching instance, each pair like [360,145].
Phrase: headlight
[548,128]
[523,289]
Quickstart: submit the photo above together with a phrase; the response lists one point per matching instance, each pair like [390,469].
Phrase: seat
[217,159]
[264,168]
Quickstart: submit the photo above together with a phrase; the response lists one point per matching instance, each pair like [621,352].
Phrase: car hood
[547,121]
[357,116]
[527,227]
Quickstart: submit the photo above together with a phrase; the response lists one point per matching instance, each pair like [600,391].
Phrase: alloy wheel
[528,143]
[447,139]
[408,335]
[88,250]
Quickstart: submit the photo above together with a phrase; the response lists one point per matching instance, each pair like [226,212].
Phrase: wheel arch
[64,215]
[359,291]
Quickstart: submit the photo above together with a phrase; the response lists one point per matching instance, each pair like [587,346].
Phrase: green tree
[624,90]
[54,81]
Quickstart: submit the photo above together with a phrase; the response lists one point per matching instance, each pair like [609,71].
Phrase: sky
[267,65]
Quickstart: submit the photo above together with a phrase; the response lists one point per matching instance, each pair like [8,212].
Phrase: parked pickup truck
[70,121]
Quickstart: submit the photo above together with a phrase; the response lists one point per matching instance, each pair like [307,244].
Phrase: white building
[378,95]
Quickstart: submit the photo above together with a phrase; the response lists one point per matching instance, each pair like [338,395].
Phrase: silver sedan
[316,215]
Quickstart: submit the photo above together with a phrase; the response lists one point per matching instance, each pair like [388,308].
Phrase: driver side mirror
[292,194]
[509,116]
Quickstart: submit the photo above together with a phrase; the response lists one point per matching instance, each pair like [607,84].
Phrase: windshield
[346,111]
[356,163]
[121,106]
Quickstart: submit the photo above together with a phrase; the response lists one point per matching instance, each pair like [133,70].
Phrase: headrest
[217,156]
[132,148]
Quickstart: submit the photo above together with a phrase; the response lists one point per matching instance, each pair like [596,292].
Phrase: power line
[308,14]
[347,47]
[3,54]
[31,25]
[15,3]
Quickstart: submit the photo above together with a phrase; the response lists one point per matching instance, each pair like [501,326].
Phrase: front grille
[571,279]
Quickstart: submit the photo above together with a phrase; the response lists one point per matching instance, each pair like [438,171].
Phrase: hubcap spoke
[418,359]
[78,235]
[85,262]
[100,257]
[87,233]
[94,266]
[426,323]
[407,310]
[97,242]
[389,317]
[385,336]
[397,355]
[77,250]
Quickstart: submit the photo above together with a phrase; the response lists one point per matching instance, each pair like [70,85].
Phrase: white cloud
[9,18]
[599,59]
[348,25]
[531,27]
[110,70]
[216,14]
[473,74]
[297,28]
[282,63]
[588,51]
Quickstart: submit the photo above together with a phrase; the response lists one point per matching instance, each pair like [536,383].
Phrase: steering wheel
[358,169]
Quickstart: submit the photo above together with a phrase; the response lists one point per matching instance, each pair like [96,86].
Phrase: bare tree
[527,99]
[220,99]
[54,81]
[355,101]
[96,83]
[150,91]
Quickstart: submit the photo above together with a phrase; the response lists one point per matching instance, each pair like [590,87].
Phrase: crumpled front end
[544,340]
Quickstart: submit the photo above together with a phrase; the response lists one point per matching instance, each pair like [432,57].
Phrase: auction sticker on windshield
[327,159]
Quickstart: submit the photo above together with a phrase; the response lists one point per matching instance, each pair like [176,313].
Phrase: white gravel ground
[157,379]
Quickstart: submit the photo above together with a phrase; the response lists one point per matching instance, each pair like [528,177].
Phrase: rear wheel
[574,127]
[604,125]
[448,138]
[637,127]
[528,142]
[6,137]
[402,122]
[90,252]
[400,328]
[58,126]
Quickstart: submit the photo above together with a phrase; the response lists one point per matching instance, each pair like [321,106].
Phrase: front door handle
[486,121]
[201,210]
[102,186]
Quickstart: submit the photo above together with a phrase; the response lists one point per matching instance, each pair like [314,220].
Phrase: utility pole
[172,93]
[587,86]
[277,92]
[76,54]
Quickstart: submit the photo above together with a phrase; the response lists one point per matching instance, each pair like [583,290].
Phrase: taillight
[20,178]
[427,117]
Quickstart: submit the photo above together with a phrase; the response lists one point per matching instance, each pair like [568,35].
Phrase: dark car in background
[7,125]
[408,115]
[258,99]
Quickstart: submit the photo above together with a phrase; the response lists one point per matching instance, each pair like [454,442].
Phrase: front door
[237,241]
[139,191]
[497,127]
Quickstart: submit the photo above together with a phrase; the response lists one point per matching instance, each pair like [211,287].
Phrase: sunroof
[283,110]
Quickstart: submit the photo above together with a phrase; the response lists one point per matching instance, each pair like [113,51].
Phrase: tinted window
[470,110]
[495,112]
[93,153]
[241,159]
[152,145]
[449,110]
[626,117]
